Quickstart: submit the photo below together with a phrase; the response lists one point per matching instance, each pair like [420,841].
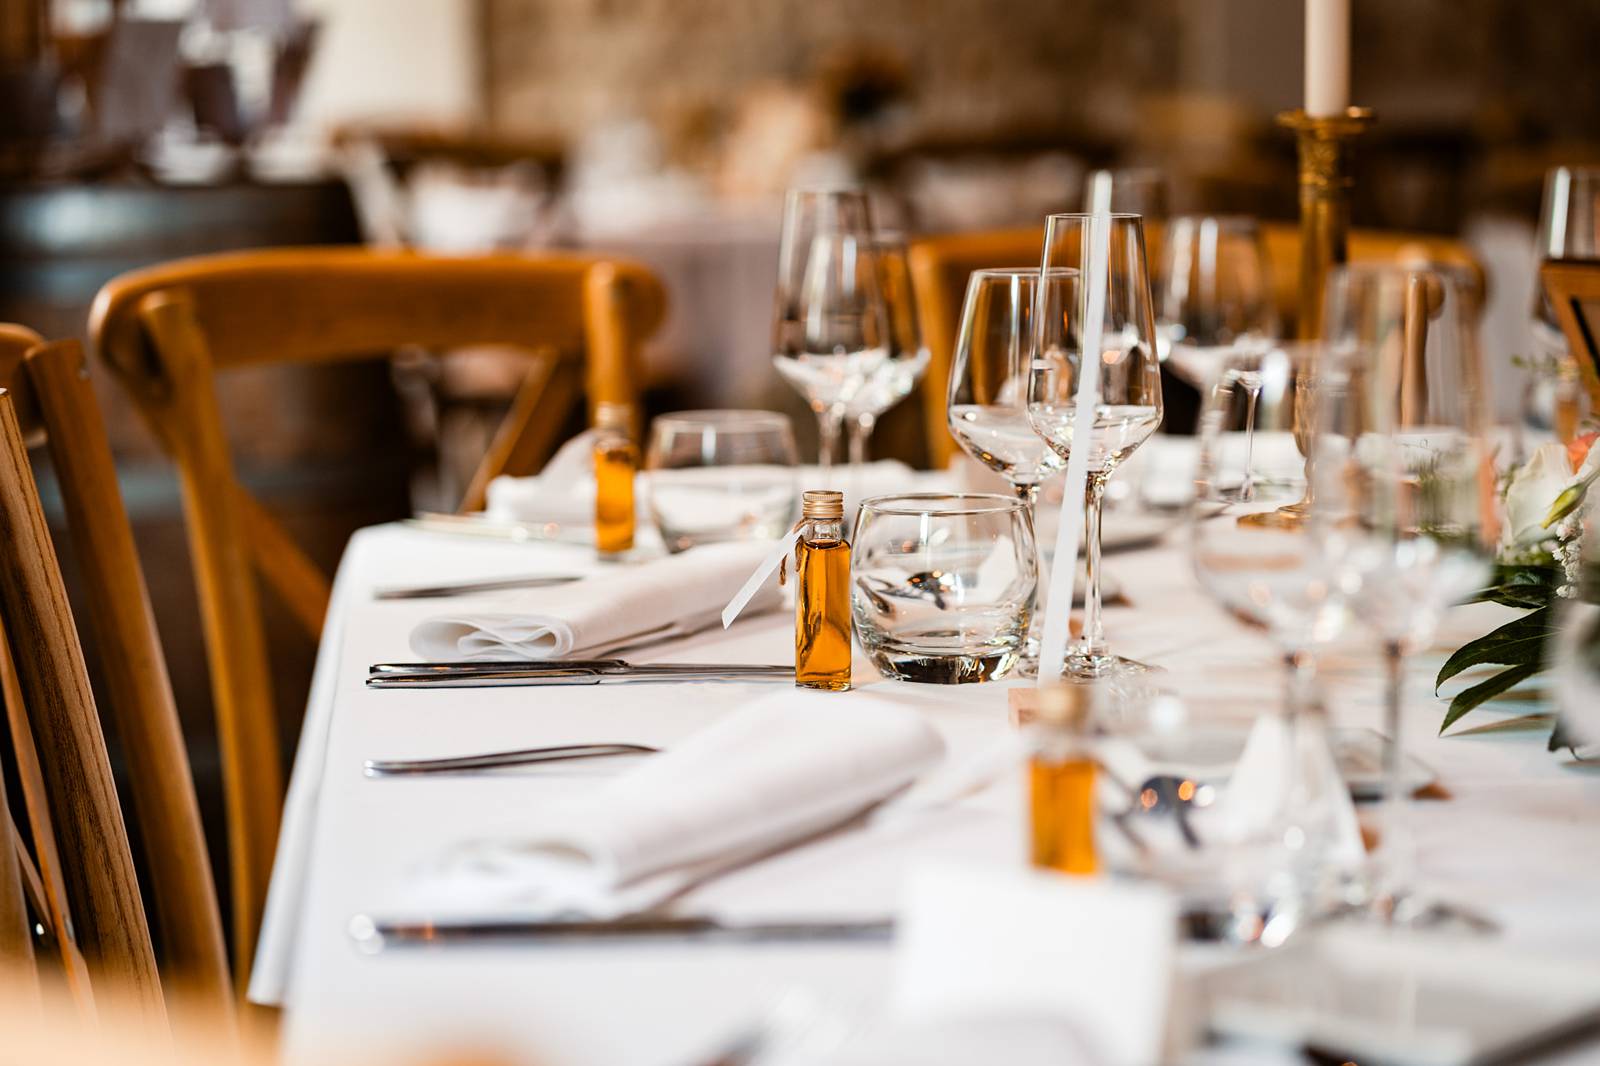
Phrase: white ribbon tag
[759,578]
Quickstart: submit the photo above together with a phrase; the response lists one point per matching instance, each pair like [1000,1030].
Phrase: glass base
[1081,665]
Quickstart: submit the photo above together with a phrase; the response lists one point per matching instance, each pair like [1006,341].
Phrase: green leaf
[1483,691]
[1520,642]
[1521,586]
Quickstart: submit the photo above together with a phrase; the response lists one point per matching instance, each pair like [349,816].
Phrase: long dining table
[1514,835]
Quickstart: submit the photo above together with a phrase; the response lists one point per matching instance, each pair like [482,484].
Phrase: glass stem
[828,420]
[1247,487]
[1029,495]
[1093,643]
[1395,842]
[861,428]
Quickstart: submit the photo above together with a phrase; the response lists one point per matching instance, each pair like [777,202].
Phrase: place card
[1095,953]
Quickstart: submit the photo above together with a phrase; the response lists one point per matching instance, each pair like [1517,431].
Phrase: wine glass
[1215,294]
[1569,228]
[1272,575]
[1403,490]
[1134,190]
[1125,381]
[899,373]
[831,323]
[988,392]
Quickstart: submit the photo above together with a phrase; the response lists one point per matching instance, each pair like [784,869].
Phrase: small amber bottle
[616,461]
[822,594]
[1061,777]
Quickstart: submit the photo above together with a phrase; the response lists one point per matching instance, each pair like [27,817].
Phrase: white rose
[1534,487]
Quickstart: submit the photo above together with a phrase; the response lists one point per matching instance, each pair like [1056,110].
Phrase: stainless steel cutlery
[563,672]
[494,760]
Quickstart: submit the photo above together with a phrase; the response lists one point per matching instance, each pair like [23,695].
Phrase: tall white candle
[1327,57]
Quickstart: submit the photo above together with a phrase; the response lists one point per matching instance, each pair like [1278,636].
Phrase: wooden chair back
[78,880]
[941,265]
[1573,288]
[166,331]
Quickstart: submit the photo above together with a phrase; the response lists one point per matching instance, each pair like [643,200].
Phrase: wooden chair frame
[92,905]
[1571,284]
[166,331]
[940,267]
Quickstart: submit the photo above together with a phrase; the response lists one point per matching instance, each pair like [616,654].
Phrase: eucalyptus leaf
[1486,690]
[1520,642]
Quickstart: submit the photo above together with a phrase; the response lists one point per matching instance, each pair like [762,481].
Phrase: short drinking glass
[943,585]
[721,475]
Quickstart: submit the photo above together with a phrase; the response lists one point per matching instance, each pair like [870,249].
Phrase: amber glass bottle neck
[823,531]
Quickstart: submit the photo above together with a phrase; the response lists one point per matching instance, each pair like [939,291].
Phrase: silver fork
[495,759]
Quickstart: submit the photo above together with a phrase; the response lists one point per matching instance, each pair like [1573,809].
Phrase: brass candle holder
[1325,181]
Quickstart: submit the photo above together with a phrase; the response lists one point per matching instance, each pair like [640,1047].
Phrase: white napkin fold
[783,769]
[563,492]
[670,597]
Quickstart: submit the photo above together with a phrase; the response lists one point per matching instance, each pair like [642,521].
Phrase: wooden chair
[941,265]
[166,331]
[1573,288]
[78,880]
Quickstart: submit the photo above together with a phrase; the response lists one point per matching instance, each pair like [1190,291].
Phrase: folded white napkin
[773,774]
[670,597]
[563,492]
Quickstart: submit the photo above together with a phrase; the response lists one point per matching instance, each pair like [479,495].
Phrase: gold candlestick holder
[1325,181]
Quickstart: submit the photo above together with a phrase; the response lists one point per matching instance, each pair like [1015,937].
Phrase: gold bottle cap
[822,505]
[1065,706]
[613,416]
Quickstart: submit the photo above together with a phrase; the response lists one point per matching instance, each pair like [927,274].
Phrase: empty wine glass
[907,356]
[1134,191]
[1403,483]
[1215,294]
[831,323]
[988,392]
[1272,575]
[1126,383]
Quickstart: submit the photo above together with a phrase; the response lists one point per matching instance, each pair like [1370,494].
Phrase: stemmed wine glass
[1126,382]
[1273,576]
[907,357]
[988,391]
[1215,294]
[1403,487]
[830,324]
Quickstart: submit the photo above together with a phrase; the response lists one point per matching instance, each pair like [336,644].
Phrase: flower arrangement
[1537,563]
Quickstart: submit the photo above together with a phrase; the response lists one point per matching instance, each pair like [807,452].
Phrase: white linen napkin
[563,492]
[773,774]
[669,597]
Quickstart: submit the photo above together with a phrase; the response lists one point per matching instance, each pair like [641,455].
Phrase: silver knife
[478,675]
[372,935]
[417,592]
[478,526]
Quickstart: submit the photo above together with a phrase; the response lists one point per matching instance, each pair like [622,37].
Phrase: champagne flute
[830,323]
[1126,377]
[907,358]
[988,392]
[1403,491]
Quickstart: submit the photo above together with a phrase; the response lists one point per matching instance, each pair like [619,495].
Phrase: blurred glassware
[1215,294]
[1575,653]
[721,475]
[1128,408]
[943,585]
[1134,191]
[831,328]
[899,373]
[1272,575]
[1402,489]
[1569,228]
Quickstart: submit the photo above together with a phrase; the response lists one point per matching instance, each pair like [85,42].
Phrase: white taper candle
[1327,57]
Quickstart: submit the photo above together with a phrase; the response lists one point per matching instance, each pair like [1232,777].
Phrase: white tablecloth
[1517,840]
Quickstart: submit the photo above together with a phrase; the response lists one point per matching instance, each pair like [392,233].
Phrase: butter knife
[417,592]
[373,935]
[483,675]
